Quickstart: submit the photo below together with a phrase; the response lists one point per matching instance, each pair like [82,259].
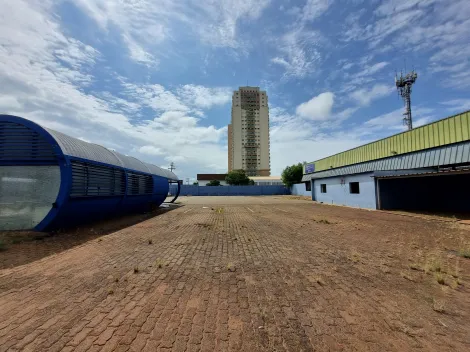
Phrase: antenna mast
[404,84]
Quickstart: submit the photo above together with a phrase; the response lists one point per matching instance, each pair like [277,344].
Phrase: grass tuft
[464,253]
[231,267]
[438,306]
[355,256]
[440,279]
[433,265]
[415,266]
[159,263]
[406,276]
[110,291]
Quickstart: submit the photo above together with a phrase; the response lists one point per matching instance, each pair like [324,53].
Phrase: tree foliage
[195,183]
[213,183]
[237,178]
[292,174]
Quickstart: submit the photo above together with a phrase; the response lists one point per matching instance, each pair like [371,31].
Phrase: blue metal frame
[177,192]
[65,208]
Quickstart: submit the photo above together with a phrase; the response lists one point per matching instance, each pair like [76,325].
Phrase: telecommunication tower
[404,83]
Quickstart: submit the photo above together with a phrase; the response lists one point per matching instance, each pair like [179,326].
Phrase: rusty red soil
[246,274]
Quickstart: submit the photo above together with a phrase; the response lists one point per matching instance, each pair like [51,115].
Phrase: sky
[153,78]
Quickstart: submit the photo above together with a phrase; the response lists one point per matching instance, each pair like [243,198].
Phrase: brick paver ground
[248,274]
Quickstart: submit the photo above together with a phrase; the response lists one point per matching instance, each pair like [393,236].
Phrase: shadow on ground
[22,247]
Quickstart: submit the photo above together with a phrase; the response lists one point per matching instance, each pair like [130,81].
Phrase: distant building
[204,179]
[248,132]
[423,169]
[267,180]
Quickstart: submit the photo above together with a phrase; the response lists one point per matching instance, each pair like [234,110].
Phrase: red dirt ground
[248,274]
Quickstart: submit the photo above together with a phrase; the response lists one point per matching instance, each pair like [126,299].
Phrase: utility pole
[172,166]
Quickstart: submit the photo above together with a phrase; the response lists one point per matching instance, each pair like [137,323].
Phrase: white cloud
[146,25]
[366,96]
[301,53]
[204,97]
[436,27]
[393,121]
[317,108]
[294,139]
[458,105]
[150,150]
[138,53]
[314,9]
[41,78]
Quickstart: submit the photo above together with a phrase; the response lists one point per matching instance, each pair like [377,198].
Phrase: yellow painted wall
[453,129]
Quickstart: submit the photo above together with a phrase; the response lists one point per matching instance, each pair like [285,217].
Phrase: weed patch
[406,276]
[438,306]
[416,267]
[440,279]
[464,253]
[433,265]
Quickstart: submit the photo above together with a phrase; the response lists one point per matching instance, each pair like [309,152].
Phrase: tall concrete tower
[248,132]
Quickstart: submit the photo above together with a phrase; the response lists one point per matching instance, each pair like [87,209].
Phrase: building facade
[248,132]
[424,169]
[204,179]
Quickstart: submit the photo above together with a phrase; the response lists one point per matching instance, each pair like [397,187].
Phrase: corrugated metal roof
[80,149]
[95,152]
[445,155]
[453,129]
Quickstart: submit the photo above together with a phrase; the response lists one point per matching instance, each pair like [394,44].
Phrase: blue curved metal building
[49,180]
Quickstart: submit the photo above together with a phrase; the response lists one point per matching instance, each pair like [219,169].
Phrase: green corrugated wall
[453,129]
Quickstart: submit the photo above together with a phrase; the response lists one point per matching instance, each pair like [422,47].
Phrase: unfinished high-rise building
[248,132]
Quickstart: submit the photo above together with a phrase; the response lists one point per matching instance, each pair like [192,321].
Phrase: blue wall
[230,190]
[337,191]
[299,190]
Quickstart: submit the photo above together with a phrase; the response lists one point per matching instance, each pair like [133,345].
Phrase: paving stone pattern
[287,276]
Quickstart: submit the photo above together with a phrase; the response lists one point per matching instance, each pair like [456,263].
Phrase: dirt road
[248,274]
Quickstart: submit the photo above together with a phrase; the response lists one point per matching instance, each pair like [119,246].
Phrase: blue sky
[154,78]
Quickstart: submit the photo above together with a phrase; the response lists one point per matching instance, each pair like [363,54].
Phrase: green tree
[213,183]
[251,183]
[237,178]
[195,183]
[292,174]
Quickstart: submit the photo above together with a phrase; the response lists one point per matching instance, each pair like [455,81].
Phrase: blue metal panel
[337,191]
[31,144]
[459,155]
[230,190]
[466,152]
[299,189]
[309,168]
